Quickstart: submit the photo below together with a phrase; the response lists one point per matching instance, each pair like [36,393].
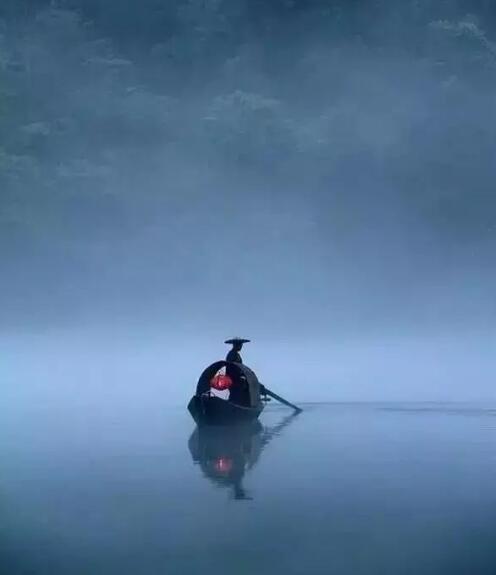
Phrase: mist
[317,176]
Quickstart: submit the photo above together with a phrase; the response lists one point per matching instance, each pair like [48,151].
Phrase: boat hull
[212,410]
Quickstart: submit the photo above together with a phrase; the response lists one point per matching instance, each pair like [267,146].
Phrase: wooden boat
[209,409]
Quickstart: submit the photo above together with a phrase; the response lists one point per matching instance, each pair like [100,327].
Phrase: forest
[145,144]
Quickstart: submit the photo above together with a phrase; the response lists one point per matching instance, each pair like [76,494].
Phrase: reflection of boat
[209,409]
[225,454]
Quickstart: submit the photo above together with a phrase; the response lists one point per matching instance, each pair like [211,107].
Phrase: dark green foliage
[125,123]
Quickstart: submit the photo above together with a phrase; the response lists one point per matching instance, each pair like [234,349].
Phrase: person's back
[239,392]
[234,356]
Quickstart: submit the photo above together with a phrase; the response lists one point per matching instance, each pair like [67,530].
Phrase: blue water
[340,489]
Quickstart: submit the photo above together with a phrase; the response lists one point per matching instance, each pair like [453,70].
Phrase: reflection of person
[225,458]
[239,392]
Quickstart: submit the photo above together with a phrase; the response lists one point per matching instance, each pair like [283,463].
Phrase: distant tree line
[116,116]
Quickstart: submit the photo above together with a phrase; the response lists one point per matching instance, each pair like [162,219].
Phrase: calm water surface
[340,489]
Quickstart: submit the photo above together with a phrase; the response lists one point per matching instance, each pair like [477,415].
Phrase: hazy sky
[318,176]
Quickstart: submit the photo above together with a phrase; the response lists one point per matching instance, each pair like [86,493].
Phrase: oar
[282,400]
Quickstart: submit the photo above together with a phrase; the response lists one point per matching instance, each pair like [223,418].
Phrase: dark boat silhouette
[244,396]
[244,404]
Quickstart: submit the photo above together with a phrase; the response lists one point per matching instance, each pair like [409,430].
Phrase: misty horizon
[318,176]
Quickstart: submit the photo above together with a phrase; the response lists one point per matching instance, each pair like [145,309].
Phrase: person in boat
[239,392]
[233,354]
